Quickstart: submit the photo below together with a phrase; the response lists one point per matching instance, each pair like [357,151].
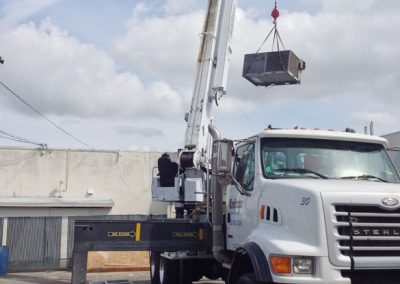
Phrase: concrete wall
[75,182]
[69,184]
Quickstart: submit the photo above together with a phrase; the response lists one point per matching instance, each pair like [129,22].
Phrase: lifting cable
[276,37]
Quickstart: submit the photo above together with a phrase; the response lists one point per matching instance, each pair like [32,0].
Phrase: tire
[168,271]
[247,278]
[225,275]
[155,267]
[212,270]
[196,276]
[188,270]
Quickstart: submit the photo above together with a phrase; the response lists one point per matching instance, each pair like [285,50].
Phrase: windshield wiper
[303,171]
[364,177]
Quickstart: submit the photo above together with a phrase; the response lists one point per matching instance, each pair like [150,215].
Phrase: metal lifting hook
[276,36]
[275,13]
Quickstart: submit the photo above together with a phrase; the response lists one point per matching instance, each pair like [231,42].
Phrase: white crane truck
[282,206]
[285,206]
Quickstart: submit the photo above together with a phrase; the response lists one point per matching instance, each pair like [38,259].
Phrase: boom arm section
[211,75]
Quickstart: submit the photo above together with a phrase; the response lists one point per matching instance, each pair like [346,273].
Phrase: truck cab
[318,207]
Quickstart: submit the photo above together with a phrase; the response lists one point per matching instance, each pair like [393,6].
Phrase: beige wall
[73,182]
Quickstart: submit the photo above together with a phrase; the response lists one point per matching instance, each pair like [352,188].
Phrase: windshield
[326,159]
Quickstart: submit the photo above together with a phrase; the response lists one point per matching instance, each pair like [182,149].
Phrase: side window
[244,169]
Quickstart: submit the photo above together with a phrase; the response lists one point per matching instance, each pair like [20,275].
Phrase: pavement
[62,277]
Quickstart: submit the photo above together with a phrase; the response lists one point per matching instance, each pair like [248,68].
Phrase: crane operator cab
[165,184]
[167,170]
[172,183]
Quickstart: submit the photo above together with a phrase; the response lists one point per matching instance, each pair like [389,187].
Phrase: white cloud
[162,46]
[142,8]
[346,52]
[179,6]
[61,75]
[16,11]
[350,47]
[133,130]
[377,117]
[230,106]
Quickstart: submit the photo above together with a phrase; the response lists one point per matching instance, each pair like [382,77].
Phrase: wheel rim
[152,265]
[162,270]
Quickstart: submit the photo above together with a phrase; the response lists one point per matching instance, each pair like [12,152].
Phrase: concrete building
[43,191]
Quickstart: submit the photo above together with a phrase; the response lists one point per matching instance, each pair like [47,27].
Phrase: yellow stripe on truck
[138,232]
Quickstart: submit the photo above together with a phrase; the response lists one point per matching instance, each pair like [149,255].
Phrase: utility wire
[20,139]
[43,116]
[9,138]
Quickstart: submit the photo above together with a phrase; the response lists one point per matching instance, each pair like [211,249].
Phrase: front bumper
[324,273]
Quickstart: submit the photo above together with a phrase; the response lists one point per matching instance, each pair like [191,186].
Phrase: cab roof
[323,134]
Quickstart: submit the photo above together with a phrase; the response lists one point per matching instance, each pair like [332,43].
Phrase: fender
[250,251]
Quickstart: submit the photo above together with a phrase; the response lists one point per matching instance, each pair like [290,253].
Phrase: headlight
[303,265]
[292,264]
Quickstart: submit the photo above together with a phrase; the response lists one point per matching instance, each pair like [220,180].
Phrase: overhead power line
[43,116]
[20,139]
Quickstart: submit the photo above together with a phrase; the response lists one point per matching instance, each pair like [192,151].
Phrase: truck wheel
[212,272]
[197,275]
[155,267]
[190,271]
[168,271]
[194,268]
[247,278]
[225,275]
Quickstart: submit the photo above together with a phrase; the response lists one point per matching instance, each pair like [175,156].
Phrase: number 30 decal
[305,201]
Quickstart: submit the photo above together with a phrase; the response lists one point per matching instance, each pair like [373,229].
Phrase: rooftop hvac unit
[273,68]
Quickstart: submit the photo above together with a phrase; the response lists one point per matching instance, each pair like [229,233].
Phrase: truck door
[240,220]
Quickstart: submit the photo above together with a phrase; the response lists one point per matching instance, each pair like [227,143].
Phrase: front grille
[372,276]
[366,231]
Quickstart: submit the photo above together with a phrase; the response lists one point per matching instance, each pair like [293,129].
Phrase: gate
[34,243]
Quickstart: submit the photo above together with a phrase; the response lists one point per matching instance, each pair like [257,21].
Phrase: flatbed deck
[148,235]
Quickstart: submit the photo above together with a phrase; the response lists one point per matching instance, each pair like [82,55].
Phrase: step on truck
[282,206]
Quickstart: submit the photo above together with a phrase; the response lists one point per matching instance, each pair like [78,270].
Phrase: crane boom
[211,74]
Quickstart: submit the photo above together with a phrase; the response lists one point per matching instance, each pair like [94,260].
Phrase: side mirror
[222,161]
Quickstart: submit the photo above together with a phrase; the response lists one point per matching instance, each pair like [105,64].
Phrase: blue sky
[119,74]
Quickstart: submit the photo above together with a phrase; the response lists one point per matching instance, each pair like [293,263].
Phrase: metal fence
[35,242]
